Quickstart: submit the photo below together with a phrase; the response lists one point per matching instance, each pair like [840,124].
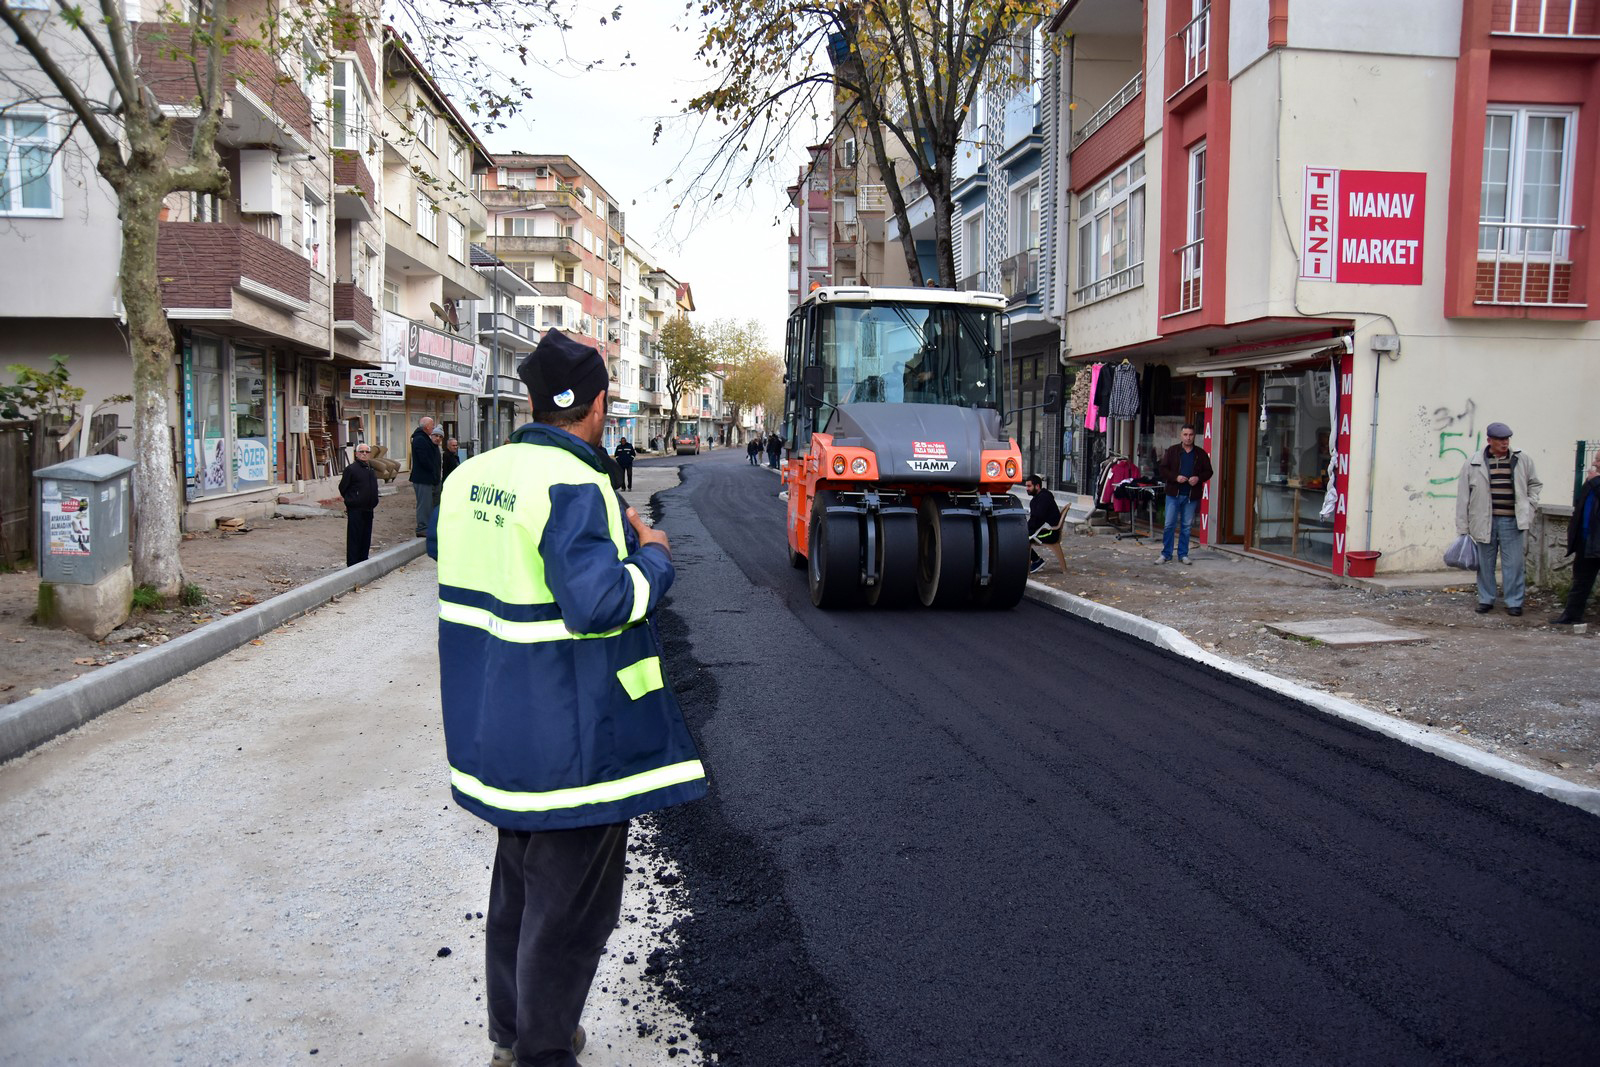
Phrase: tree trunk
[943,247]
[156,534]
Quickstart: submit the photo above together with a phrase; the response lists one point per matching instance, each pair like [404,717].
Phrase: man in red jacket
[1186,469]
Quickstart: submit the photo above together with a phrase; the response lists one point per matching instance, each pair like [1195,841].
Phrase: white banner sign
[432,359]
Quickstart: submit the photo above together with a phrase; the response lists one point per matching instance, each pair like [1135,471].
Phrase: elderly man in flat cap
[559,723]
[1495,497]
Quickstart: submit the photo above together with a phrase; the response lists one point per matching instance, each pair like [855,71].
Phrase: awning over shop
[1241,340]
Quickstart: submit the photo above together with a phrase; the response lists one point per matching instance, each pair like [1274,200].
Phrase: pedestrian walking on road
[559,725]
[1496,495]
[358,485]
[1185,468]
[624,456]
[774,446]
[424,473]
[752,449]
[1583,545]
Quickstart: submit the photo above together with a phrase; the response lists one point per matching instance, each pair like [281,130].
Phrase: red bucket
[1361,564]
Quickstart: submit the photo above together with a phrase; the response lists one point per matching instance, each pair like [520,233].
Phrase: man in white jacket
[1495,497]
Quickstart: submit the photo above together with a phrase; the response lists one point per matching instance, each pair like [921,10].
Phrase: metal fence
[1584,456]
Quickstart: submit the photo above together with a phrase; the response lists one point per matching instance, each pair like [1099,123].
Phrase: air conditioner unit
[541,172]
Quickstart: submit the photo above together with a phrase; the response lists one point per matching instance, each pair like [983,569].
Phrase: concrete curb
[1173,641]
[32,721]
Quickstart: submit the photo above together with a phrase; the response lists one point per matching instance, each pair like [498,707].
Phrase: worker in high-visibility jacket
[559,724]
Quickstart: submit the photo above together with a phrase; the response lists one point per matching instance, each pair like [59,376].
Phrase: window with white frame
[312,68]
[422,120]
[312,235]
[350,106]
[391,295]
[458,158]
[1195,231]
[1111,234]
[1526,198]
[427,219]
[972,246]
[30,179]
[521,227]
[455,239]
[1024,235]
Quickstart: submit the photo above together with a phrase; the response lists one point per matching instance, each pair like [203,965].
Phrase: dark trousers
[1584,571]
[554,898]
[427,504]
[627,475]
[357,535]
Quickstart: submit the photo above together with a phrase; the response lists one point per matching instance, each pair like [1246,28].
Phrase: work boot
[1564,620]
[503,1056]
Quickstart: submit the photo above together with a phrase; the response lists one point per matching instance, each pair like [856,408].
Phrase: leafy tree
[40,392]
[907,72]
[96,71]
[687,357]
[740,352]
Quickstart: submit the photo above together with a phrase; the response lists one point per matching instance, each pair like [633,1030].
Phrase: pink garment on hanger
[1121,471]
[1091,416]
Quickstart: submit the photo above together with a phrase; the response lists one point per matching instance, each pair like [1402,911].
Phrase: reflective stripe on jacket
[556,710]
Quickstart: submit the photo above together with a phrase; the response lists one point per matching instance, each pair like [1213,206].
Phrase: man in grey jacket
[1495,497]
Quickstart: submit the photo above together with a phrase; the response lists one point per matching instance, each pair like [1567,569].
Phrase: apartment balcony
[1019,276]
[845,232]
[872,198]
[561,249]
[977,282]
[202,263]
[263,103]
[508,331]
[1119,100]
[562,202]
[1191,274]
[355,194]
[352,311]
[1525,265]
[1547,18]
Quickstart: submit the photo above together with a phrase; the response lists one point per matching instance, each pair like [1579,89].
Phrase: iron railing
[1524,256]
[1121,99]
[1191,273]
[1197,45]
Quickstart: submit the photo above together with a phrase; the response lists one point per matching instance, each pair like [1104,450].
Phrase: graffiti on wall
[1454,435]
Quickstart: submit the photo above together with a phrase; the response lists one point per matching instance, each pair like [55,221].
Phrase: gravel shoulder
[1516,687]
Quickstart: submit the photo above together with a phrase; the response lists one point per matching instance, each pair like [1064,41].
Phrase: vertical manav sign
[1363,227]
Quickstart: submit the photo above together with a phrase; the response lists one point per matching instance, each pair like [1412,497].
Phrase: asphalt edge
[1421,737]
[30,722]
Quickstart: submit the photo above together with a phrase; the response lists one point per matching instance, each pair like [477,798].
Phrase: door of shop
[1234,503]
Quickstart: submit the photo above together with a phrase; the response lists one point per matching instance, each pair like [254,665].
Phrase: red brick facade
[201,262]
[1585,15]
[350,171]
[1119,138]
[161,45]
[350,304]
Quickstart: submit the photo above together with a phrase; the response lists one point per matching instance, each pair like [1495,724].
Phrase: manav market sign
[1363,226]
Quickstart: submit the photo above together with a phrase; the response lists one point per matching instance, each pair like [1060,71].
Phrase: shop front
[1275,426]
[423,372]
[233,414]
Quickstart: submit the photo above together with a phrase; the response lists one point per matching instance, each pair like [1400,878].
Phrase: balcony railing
[1548,18]
[1524,264]
[1019,276]
[566,249]
[201,263]
[491,322]
[1191,272]
[872,198]
[1127,278]
[562,201]
[976,282]
[1197,45]
[1121,99]
[352,309]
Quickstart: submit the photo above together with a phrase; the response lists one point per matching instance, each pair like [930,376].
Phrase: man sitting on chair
[1044,521]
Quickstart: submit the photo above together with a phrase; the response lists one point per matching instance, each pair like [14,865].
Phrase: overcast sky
[737,260]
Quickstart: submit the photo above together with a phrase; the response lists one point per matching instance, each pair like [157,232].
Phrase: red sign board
[1363,226]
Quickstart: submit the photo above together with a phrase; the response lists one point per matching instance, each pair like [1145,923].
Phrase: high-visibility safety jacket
[556,711]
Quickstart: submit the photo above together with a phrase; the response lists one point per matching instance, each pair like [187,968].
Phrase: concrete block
[92,610]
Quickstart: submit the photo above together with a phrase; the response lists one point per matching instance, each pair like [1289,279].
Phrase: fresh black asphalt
[1014,838]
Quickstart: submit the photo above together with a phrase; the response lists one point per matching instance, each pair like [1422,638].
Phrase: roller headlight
[991,469]
[1011,469]
[858,466]
[838,464]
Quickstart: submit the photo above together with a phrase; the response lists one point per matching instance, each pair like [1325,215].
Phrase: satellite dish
[439,312]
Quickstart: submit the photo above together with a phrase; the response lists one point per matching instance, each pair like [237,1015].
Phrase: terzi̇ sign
[1363,226]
